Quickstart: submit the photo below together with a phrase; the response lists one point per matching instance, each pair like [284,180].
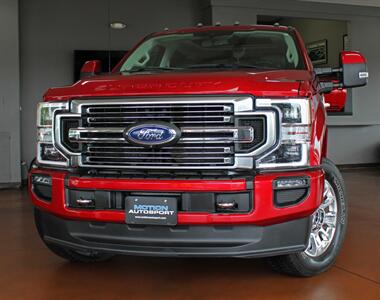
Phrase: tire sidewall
[319,264]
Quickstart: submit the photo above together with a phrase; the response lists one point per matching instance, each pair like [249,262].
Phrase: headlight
[46,110]
[46,152]
[293,149]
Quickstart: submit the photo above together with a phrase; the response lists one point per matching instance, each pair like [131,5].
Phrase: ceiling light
[118,25]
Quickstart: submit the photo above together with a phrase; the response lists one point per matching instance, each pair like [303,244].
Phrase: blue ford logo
[152,134]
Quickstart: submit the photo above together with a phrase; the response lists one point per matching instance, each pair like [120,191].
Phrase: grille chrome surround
[207,142]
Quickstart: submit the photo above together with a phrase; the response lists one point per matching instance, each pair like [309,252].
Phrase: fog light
[233,202]
[41,179]
[288,191]
[291,183]
[85,203]
[226,205]
[42,186]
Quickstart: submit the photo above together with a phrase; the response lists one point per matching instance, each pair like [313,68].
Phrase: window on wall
[324,39]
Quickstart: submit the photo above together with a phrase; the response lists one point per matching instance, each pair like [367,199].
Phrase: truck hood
[261,84]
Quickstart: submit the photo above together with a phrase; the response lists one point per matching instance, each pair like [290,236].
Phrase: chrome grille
[190,114]
[210,127]
[168,156]
[107,146]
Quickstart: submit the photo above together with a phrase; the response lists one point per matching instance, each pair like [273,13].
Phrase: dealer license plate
[148,210]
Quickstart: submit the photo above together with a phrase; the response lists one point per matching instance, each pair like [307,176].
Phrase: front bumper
[266,230]
[179,241]
[264,211]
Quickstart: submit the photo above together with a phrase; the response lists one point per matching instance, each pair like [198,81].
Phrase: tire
[66,253]
[304,264]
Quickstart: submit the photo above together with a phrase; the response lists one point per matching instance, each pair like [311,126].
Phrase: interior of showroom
[43,44]
[39,40]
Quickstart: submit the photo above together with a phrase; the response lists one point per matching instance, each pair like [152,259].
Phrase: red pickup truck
[202,142]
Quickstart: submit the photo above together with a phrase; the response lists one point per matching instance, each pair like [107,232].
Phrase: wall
[352,139]
[314,30]
[52,29]
[9,94]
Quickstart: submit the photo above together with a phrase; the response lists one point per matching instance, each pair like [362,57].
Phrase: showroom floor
[30,271]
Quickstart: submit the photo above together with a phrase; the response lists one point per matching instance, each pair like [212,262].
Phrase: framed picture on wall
[318,52]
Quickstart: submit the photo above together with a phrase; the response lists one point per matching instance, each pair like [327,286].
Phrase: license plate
[147,210]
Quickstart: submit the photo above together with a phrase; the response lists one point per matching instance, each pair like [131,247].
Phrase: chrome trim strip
[91,151]
[240,134]
[225,118]
[240,163]
[271,132]
[126,158]
[57,133]
[241,103]
[178,148]
[226,108]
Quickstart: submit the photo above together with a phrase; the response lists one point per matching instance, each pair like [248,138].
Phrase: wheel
[329,223]
[69,254]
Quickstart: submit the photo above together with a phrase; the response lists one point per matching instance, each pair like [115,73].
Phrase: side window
[155,54]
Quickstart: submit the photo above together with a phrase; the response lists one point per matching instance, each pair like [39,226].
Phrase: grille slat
[189,135]
[181,114]
[150,153]
[93,119]
[192,122]
[159,107]
[166,112]
[111,162]
[173,158]
[179,149]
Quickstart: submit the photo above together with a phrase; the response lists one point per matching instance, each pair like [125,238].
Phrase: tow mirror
[354,69]
[333,82]
[91,68]
[351,73]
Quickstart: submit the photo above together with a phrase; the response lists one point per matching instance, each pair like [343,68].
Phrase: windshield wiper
[145,69]
[227,66]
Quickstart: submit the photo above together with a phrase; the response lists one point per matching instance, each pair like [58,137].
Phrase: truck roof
[223,28]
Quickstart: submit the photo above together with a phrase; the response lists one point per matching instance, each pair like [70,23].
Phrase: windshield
[260,49]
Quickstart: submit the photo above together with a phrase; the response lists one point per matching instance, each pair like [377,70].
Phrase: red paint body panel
[222,28]
[337,100]
[92,66]
[264,212]
[352,57]
[157,185]
[260,84]
[319,129]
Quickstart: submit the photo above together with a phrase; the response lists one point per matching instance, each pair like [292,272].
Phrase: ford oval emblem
[152,134]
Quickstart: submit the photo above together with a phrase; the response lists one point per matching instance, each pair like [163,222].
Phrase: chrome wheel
[324,222]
